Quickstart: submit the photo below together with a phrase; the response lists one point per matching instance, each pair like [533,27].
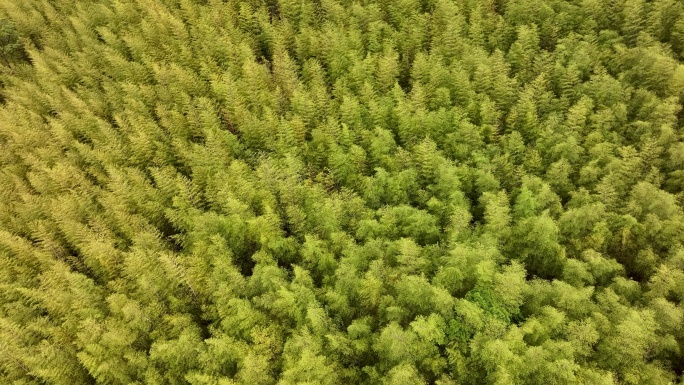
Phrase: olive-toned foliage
[288,192]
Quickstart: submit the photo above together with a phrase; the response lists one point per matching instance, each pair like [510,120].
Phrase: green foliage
[338,192]
[11,50]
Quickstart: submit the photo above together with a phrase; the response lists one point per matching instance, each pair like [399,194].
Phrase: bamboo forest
[322,192]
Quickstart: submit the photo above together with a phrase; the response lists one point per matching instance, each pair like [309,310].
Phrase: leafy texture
[286,192]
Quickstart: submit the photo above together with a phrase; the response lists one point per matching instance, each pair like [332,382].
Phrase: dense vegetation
[341,192]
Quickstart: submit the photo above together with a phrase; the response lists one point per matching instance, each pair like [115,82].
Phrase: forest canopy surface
[393,192]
